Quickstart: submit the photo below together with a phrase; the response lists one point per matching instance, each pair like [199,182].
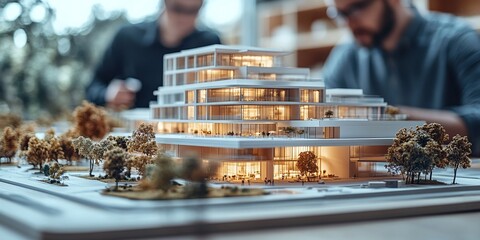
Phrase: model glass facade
[241,107]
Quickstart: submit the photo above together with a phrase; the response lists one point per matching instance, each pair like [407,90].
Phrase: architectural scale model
[239,106]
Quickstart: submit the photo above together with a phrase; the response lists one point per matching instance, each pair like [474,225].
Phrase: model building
[239,106]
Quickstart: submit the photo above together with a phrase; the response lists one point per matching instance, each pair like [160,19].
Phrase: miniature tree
[98,151]
[192,169]
[37,152]
[115,164]
[49,134]
[140,162]
[10,120]
[143,140]
[458,151]
[392,111]
[436,132]
[329,114]
[91,121]
[68,149]
[55,151]
[23,143]
[56,172]
[84,148]
[289,130]
[120,141]
[163,172]
[307,163]
[300,132]
[8,143]
[414,152]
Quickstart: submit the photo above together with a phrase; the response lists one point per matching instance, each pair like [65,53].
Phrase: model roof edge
[227,49]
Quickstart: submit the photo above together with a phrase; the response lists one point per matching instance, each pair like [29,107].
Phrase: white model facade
[239,106]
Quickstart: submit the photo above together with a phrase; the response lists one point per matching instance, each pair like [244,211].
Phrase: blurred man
[132,67]
[428,65]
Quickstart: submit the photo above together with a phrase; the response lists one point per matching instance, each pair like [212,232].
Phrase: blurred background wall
[48,48]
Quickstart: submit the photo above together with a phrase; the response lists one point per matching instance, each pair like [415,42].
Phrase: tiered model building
[239,106]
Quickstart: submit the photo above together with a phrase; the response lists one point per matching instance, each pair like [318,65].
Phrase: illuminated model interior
[239,106]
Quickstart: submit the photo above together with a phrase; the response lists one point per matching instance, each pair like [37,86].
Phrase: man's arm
[464,61]
[450,120]
[107,69]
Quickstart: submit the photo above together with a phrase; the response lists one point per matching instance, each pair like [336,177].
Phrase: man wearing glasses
[427,65]
[132,67]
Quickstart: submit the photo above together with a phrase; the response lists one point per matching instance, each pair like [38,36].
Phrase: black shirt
[136,52]
[436,65]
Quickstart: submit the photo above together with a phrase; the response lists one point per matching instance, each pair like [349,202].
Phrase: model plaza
[241,107]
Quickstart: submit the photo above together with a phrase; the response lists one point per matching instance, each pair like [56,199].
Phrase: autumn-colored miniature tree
[115,164]
[120,141]
[458,151]
[49,134]
[437,133]
[392,111]
[84,148]
[37,152]
[68,149]
[56,171]
[91,121]
[55,151]
[414,152]
[140,162]
[289,130]
[8,143]
[194,170]
[10,120]
[143,140]
[307,163]
[329,114]
[99,149]
[162,173]
[300,132]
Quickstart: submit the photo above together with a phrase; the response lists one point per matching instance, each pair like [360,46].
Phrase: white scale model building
[239,106]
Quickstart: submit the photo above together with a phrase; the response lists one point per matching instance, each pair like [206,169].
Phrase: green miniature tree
[115,164]
[307,163]
[8,143]
[458,151]
[143,140]
[37,152]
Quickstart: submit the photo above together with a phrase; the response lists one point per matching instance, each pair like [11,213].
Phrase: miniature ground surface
[32,209]
[178,192]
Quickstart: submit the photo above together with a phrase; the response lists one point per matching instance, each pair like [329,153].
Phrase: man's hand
[119,96]
[452,123]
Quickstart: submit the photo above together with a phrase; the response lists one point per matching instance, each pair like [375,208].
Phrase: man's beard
[388,25]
